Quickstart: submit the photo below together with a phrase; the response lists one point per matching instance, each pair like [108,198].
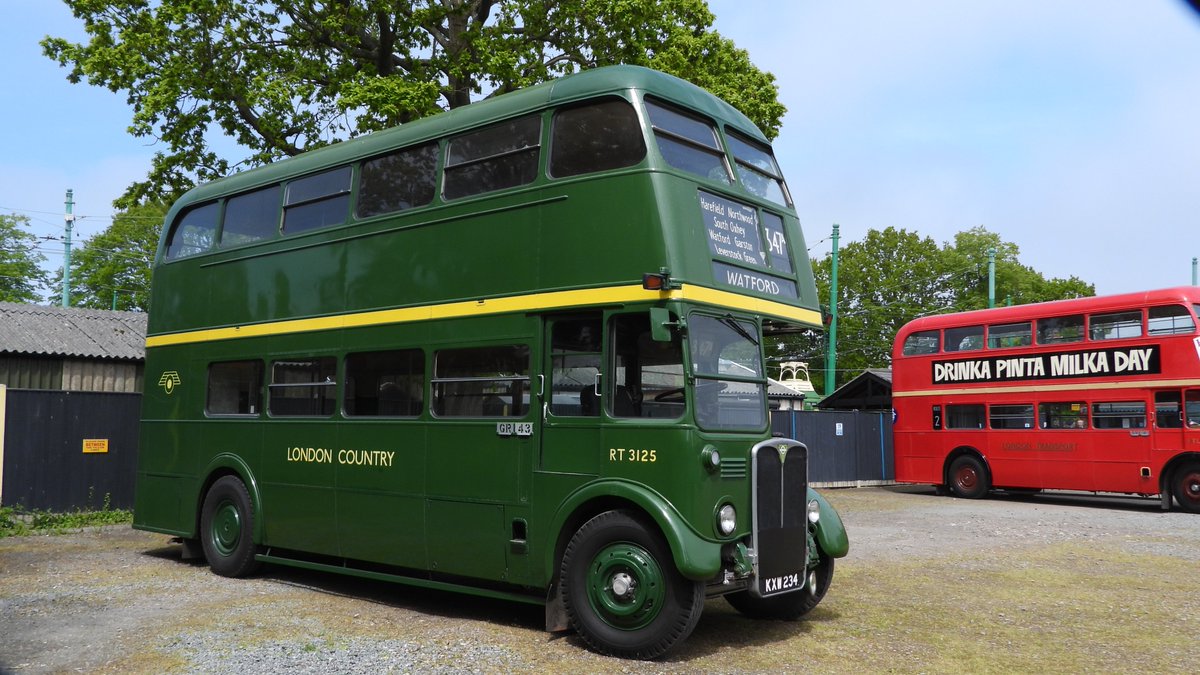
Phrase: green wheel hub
[625,586]
[226,528]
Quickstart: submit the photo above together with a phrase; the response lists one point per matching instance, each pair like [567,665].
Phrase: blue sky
[1070,127]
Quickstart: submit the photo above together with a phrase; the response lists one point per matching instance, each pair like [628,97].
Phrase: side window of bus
[500,156]
[1060,329]
[1191,408]
[234,388]
[1167,410]
[646,376]
[317,201]
[965,339]
[401,180]
[575,364]
[922,342]
[251,217]
[688,143]
[1010,335]
[1116,325]
[1018,416]
[1063,415]
[1170,320]
[596,137]
[385,384]
[1120,415]
[757,170]
[965,416]
[303,387]
[193,232]
[481,382]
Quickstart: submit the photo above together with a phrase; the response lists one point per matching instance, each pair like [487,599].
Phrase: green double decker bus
[514,350]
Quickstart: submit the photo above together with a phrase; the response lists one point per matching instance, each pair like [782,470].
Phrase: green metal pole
[831,358]
[991,277]
[70,218]
[1194,280]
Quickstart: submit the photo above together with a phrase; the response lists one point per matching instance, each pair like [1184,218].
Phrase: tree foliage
[21,275]
[285,76]
[893,276]
[117,262]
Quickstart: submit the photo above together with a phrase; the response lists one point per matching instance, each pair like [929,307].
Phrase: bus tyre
[1185,487]
[789,606]
[622,592]
[227,528]
[968,478]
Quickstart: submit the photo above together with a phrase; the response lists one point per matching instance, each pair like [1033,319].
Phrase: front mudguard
[830,533]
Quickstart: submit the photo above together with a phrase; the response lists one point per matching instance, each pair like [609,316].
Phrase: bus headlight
[814,511]
[726,520]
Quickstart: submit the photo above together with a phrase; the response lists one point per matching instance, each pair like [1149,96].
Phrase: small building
[71,348]
[870,390]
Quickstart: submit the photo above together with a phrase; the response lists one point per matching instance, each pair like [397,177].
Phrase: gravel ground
[117,600]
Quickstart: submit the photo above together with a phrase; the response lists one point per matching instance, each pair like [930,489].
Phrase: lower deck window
[1063,415]
[1011,416]
[965,416]
[303,387]
[1119,415]
[234,388]
[481,382]
[385,384]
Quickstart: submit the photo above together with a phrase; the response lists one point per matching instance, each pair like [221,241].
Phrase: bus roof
[1100,303]
[586,84]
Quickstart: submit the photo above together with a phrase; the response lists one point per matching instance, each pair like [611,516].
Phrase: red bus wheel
[1186,487]
[968,478]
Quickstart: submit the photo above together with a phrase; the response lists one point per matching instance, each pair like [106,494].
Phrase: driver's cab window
[575,367]
[646,378]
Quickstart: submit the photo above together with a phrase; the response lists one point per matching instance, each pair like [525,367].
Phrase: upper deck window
[1010,335]
[964,339]
[688,143]
[921,342]
[1170,320]
[600,136]
[317,201]
[401,180]
[757,169]
[1060,329]
[1115,325]
[500,156]
[193,232]
[251,217]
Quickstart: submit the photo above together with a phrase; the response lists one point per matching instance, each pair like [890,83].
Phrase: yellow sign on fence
[95,445]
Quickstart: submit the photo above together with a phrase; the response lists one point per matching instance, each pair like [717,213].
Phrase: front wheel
[968,478]
[621,589]
[789,606]
[1185,487]
[227,528]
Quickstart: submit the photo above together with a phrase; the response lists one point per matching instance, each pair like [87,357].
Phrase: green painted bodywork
[454,498]
[831,533]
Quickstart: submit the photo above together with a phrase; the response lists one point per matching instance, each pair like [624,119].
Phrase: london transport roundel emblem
[169,380]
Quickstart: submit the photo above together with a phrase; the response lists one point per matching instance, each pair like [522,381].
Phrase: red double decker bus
[1096,394]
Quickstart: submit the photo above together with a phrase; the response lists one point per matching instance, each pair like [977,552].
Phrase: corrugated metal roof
[72,331]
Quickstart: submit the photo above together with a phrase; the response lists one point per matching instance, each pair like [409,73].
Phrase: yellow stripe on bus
[1021,389]
[517,303]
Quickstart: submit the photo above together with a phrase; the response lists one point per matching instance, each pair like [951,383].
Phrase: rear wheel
[622,592]
[789,606]
[227,528]
[968,478]
[1185,487]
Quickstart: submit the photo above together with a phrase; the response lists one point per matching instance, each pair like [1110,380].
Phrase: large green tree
[893,276]
[285,76]
[21,275]
[114,266]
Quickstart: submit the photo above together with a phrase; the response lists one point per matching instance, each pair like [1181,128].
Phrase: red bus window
[966,339]
[969,416]
[1192,408]
[1011,416]
[1065,415]
[1120,415]
[1171,320]
[1060,329]
[1116,325]
[922,342]
[1167,410]
[1010,335]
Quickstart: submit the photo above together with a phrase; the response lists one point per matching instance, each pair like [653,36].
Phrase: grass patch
[16,521]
